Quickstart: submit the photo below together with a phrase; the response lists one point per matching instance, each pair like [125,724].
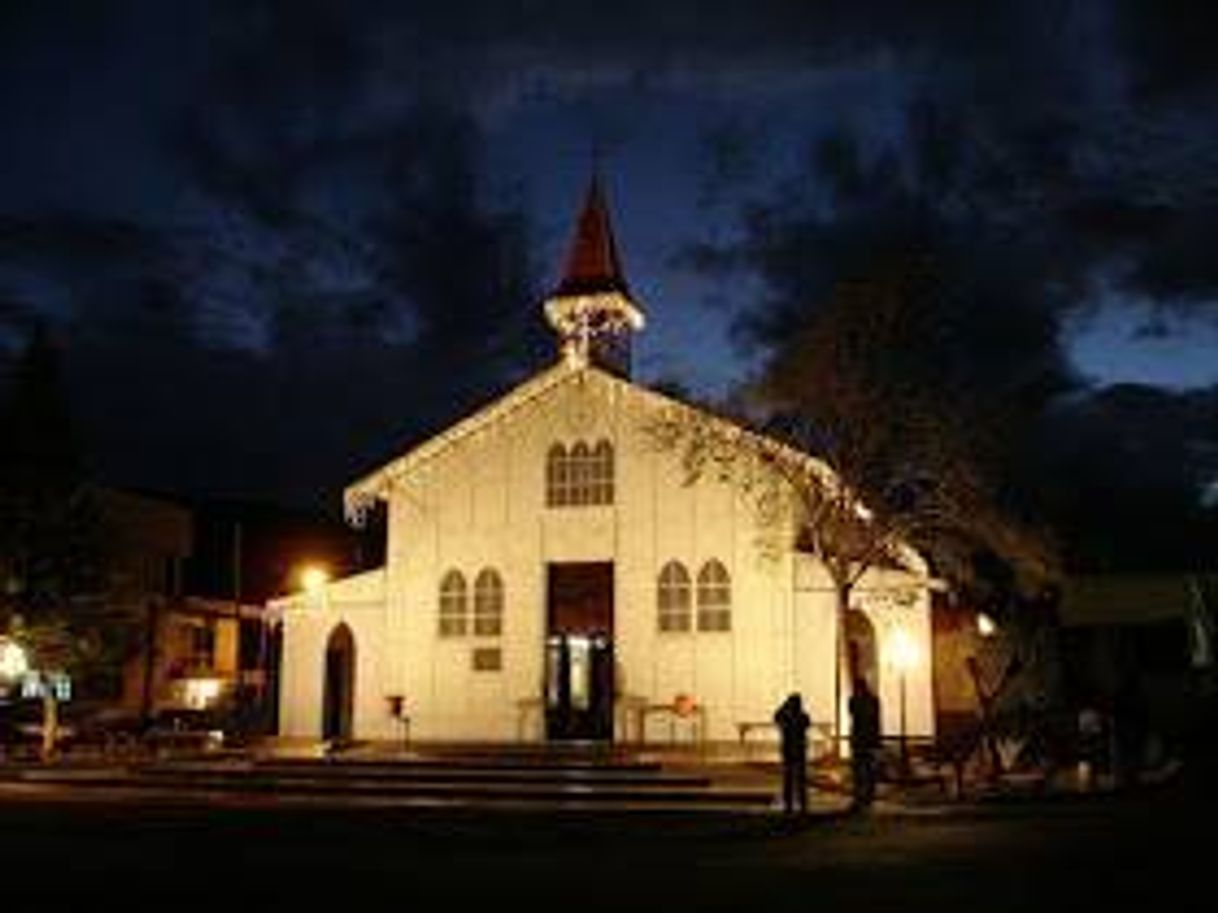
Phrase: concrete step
[644,777]
[575,751]
[631,794]
[460,762]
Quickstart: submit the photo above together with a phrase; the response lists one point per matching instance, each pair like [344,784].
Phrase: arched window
[454,606]
[579,464]
[714,598]
[580,475]
[673,597]
[601,475]
[488,603]
[556,476]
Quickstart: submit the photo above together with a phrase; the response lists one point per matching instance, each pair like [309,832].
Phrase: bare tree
[895,471]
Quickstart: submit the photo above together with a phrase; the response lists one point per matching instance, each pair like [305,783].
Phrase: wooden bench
[744,727]
[692,713]
[820,733]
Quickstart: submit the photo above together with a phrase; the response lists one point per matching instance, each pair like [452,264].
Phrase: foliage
[898,452]
[52,555]
[862,385]
[898,449]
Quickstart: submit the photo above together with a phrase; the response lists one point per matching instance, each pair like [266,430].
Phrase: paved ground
[64,846]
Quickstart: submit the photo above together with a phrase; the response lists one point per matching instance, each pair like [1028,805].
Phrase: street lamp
[903,655]
[314,577]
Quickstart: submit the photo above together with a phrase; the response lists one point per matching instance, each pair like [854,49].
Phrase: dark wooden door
[579,651]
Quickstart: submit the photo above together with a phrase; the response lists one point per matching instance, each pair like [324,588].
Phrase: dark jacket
[793,724]
[864,720]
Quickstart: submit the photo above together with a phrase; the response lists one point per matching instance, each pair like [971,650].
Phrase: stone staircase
[538,776]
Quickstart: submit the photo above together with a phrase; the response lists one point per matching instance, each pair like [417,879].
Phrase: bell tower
[591,309]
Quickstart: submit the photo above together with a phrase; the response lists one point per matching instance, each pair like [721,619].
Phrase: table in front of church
[696,715]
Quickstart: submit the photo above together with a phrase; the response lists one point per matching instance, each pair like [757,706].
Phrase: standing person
[1090,739]
[864,741]
[793,723]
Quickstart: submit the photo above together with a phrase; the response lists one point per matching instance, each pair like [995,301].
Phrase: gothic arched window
[673,597]
[578,464]
[488,603]
[714,597]
[454,605]
[581,475]
[601,475]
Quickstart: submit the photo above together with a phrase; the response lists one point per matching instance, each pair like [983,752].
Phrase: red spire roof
[592,263]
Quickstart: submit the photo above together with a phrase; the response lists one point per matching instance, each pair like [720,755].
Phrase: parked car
[185,729]
[21,723]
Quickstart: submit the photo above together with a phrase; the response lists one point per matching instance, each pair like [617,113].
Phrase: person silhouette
[864,741]
[793,723]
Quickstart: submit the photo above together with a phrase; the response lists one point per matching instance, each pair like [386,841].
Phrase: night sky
[279,241]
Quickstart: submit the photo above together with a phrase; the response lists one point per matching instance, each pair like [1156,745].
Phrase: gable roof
[375,485]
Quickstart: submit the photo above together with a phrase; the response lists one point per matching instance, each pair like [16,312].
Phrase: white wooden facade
[475,498]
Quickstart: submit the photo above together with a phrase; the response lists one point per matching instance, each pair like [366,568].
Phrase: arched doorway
[862,650]
[338,694]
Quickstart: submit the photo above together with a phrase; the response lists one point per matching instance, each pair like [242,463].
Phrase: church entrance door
[579,651]
[338,698]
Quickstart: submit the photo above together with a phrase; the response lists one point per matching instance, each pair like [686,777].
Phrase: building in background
[197,577]
[1152,635]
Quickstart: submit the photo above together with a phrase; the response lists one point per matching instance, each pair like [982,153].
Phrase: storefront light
[13,661]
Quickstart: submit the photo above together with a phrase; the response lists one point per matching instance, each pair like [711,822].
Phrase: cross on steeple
[591,308]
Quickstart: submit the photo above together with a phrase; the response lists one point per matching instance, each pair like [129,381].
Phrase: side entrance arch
[338,692]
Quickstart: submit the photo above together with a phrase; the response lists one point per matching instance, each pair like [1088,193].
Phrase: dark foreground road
[1152,851]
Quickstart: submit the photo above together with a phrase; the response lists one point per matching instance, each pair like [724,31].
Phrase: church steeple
[591,308]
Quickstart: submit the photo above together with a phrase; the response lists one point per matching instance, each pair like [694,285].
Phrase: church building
[552,573]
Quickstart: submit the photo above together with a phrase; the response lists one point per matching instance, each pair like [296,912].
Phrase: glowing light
[202,692]
[13,661]
[314,578]
[985,625]
[903,652]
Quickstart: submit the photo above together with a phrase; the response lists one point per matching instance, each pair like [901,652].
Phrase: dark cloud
[337,285]
[1025,149]
[276,215]
[1169,46]
[1087,449]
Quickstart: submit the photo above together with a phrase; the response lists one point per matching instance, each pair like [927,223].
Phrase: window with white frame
[488,603]
[578,465]
[673,597]
[600,474]
[454,605]
[579,475]
[714,597]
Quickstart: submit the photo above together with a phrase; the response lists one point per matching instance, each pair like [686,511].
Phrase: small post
[50,723]
[904,741]
[398,712]
[903,656]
